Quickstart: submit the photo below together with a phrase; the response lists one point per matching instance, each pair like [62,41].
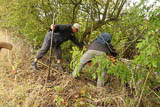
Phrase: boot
[34,66]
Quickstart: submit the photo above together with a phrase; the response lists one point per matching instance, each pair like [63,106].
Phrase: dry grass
[19,86]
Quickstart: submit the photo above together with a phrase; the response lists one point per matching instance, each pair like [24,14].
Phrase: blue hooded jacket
[103,38]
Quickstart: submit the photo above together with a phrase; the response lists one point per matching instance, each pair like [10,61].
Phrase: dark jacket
[103,47]
[63,32]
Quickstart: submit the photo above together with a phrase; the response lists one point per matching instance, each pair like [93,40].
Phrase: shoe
[34,66]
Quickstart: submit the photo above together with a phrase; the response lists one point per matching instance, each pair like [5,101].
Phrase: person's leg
[58,57]
[45,47]
[87,56]
[101,78]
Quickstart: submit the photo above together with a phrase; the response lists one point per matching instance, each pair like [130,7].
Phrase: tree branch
[74,9]
[105,10]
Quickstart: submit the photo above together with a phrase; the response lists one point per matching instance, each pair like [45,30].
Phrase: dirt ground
[22,87]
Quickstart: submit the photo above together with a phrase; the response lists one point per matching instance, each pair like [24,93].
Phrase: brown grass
[20,86]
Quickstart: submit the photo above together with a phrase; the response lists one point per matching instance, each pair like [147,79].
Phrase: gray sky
[149,2]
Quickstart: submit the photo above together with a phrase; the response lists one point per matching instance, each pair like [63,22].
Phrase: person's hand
[53,26]
[112,59]
[84,46]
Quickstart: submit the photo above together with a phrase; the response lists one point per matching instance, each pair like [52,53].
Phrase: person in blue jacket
[100,46]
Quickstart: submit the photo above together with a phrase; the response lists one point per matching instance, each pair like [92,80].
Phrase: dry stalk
[152,91]
[47,66]
[143,87]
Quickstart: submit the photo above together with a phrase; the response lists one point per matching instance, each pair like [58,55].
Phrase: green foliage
[135,32]
[148,47]
[58,100]
[122,71]
[118,69]
[76,55]
[33,18]
[99,63]
[25,17]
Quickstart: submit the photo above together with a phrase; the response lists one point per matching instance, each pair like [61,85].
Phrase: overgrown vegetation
[134,28]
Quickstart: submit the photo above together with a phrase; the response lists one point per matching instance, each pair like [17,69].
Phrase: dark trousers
[46,46]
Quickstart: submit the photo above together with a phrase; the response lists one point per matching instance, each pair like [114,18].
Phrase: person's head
[104,38]
[75,27]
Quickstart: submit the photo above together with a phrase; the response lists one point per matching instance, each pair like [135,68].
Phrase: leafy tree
[135,31]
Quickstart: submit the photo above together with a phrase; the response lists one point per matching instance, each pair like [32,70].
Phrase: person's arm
[61,27]
[75,41]
[112,50]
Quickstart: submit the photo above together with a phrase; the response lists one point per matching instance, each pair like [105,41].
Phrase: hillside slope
[20,86]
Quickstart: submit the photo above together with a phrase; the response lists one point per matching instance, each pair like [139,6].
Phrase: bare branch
[74,9]
[105,10]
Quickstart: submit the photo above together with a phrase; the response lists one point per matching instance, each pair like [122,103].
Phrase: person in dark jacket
[100,46]
[62,33]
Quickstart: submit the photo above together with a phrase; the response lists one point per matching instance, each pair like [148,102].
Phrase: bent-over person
[62,33]
[98,47]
